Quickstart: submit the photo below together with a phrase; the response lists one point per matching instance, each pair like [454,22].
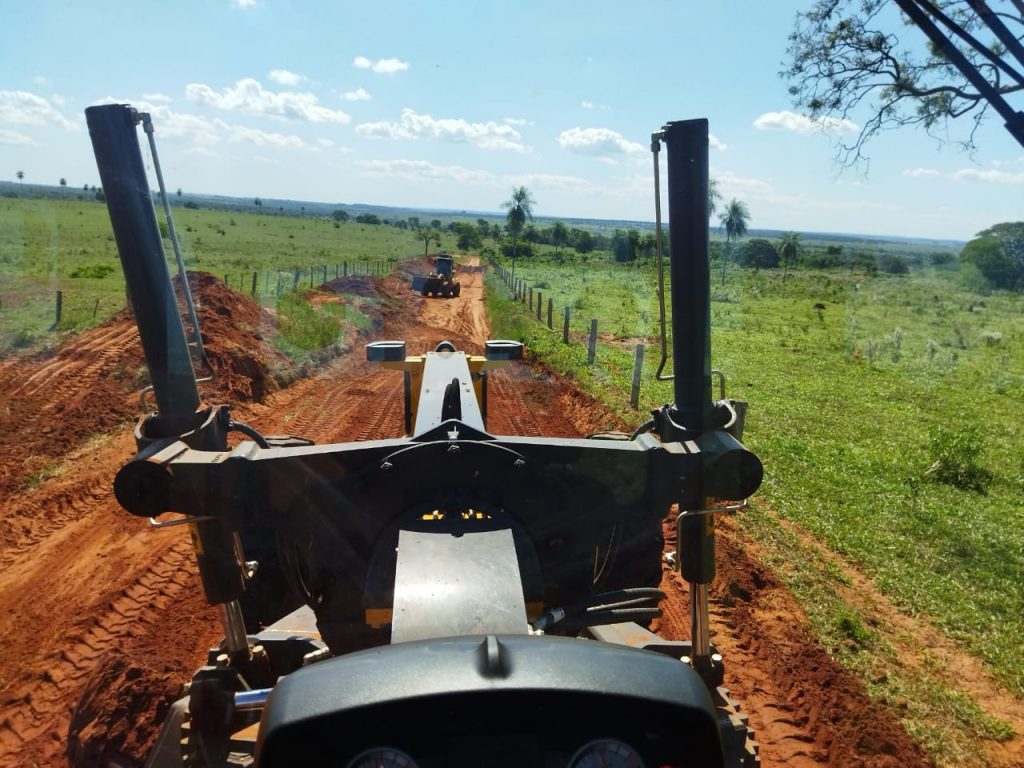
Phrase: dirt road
[96,603]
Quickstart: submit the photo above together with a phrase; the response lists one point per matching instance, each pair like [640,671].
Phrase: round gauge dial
[382,757]
[606,753]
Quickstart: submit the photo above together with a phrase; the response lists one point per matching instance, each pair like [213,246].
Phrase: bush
[894,265]
[955,455]
[525,250]
[94,271]
[759,253]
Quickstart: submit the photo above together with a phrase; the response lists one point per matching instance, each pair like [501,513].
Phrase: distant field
[51,245]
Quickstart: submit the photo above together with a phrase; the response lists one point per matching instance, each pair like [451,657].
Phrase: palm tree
[63,186]
[520,208]
[21,177]
[789,246]
[734,222]
[714,197]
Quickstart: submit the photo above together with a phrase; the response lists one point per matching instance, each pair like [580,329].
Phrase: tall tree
[714,197]
[734,222]
[559,236]
[63,186]
[428,235]
[853,60]
[520,209]
[21,177]
[789,247]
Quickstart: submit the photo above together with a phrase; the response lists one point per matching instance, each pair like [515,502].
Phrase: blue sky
[448,105]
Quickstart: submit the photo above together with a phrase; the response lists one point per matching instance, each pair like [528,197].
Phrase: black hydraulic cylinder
[115,142]
[687,143]
[123,178]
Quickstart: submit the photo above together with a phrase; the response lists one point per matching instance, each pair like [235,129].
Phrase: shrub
[894,265]
[760,253]
[955,453]
[95,271]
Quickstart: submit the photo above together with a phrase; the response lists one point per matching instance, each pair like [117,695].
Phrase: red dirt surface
[102,613]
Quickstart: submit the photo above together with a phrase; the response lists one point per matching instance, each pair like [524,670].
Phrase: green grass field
[850,406]
[48,246]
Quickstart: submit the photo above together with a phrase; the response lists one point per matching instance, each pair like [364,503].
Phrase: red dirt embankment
[96,603]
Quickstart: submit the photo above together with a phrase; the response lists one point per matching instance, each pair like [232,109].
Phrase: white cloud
[791,121]
[14,138]
[553,181]
[284,77]
[238,133]
[381,66]
[24,108]
[357,95]
[990,176]
[488,135]
[599,142]
[921,172]
[243,3]
[248,95]
[41,80]
[714,143]
[156,97]
[325,142]
[422,169]
[202,133]
[744,187]
[587,104]
[519,122]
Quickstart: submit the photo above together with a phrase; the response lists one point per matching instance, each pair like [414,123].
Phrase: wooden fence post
[345,272]
[60,308]
[96,308]
[592,345]
[298,276]
[530,291]
[551,305]
[634,398]
[255,275]
[539,302]
[565,327]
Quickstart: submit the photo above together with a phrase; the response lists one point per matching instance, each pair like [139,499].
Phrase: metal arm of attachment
[655,151]
[147,126]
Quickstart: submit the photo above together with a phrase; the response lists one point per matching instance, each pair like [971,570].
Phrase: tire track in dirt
[86,359]
[805,709]
[34,520]
[39,704]
[50,402]
[508,413]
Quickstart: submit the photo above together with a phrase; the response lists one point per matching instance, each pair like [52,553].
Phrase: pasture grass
[68,245]
[844,404]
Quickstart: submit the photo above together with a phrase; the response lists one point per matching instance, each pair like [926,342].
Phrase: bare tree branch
[852,60]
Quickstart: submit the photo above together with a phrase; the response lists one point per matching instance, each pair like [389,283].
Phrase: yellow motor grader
[447,597]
